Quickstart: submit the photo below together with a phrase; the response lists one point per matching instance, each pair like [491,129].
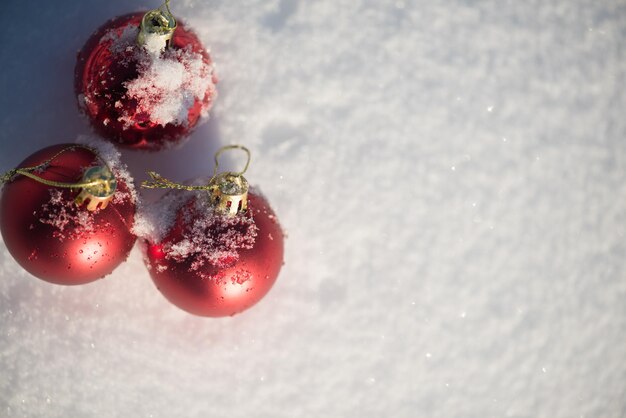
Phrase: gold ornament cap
[99,186]
[229,193]
[229,190]
[157,28]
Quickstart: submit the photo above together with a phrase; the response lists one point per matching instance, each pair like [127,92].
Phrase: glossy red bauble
[138,99]
[230,281]
[52,237]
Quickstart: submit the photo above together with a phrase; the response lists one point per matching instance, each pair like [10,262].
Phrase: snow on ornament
[213,248]
[67,211]
[145,80]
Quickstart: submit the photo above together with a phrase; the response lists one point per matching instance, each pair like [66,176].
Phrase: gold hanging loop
[231,147]
[228,190]
[98,183]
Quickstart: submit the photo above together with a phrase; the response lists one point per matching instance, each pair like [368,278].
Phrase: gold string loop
[98,183]
[227,148]
[228,190]
[160,182]
[167,6]
[6,177]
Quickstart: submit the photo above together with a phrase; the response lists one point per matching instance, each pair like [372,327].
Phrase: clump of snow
[169,81]
[211,237]
[208,237]
[153,221]
[109,154]
[68,220]
[154,44]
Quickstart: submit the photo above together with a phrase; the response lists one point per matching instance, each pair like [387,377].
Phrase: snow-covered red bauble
[211,257]
[144,80]
[69,235]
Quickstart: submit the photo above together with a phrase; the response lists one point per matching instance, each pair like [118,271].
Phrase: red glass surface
[100,76]
[35,246]
[213,291]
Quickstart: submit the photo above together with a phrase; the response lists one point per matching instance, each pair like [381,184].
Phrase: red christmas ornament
[222,249]
[67,235]
[144,80]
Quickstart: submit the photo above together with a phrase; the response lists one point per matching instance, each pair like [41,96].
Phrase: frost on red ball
[139,96]
[53,238]
[68,220]
[205,262]
[213,240]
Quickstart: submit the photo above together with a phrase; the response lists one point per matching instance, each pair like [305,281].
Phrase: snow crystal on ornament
[68,220]
[169,82]
[211,237]
[207,237]
[153,221]
[120,41]
[154,44]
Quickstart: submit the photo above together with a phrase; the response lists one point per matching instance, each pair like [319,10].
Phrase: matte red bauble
[67,235]
[216,257]
[144,80]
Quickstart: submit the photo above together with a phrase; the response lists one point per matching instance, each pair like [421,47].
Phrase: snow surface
[451,176]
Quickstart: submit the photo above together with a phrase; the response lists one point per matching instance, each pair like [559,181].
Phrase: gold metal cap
[157,27]
[98,190]
[229,193]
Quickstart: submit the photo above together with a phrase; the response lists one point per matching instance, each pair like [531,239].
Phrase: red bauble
[52,237]
[212,265]
[138,99]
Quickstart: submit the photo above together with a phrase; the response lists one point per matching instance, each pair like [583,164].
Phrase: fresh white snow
[451,176]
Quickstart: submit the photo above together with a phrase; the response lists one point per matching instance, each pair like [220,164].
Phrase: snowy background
[452,178]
